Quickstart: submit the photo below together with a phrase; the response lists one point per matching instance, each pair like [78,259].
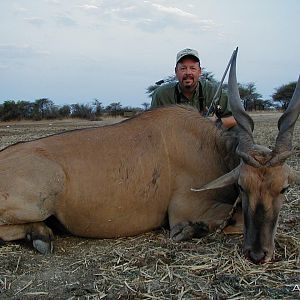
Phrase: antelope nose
[257,256]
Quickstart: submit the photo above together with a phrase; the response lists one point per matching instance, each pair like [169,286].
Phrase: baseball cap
[187,52]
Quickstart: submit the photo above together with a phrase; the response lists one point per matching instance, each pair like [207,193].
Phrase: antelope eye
[284,190]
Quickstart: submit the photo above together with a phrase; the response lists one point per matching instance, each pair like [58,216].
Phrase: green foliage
[284,94]
[98,108]
[11,110]
[114,109]
[146,105]
[84,111]
[64,111]
[250,97]
[38,110]
[208,76]
[45,109]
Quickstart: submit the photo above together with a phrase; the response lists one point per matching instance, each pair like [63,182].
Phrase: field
[151,266]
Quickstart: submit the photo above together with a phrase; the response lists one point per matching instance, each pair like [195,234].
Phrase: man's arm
[224,114]
[155,100]
[227,118]
[162,96]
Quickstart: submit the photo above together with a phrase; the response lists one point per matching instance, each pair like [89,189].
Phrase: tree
[151,89]
[11,110]
[259,104]
[284,94]
[64,111]
[146,105]
[114,109]
[208,76]
[269,104]
[98,107]
[45,109]
[84,111]
[249,96]
[25,109]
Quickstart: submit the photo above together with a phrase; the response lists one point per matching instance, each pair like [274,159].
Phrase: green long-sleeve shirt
[167,95]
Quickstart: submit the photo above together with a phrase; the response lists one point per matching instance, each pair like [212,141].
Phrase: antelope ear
[225,180]
[294,176]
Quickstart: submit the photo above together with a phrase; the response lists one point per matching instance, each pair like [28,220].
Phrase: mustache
[188,77]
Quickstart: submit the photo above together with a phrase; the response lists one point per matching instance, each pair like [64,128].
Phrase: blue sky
[79,50]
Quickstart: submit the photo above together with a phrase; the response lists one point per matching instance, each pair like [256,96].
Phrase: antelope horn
[245,123]
[286,123]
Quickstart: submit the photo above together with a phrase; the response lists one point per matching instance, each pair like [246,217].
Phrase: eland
[129,178]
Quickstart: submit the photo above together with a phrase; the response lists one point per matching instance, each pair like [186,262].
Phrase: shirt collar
[195,94]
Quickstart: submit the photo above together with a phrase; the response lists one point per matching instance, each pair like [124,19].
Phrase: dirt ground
[151,266]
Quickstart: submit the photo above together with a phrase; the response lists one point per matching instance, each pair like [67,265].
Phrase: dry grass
[151,266]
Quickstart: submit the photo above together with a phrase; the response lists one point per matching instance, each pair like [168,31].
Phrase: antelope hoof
[41,237]
[42,246]
[187,230]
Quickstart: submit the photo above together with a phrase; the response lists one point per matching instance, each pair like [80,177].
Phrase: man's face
[188,72]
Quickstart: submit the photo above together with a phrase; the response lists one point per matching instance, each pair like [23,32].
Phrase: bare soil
[151,266]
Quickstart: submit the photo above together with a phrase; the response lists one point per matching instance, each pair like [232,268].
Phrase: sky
[80,50]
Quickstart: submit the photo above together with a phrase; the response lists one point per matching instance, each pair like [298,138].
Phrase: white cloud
[173,11]
[53,1]
[88,7]
[184,17]
[147,16]
[35,21]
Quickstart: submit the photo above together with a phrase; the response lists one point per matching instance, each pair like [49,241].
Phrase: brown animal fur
[118,180]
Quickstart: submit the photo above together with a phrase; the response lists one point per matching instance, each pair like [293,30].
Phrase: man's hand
[227,122]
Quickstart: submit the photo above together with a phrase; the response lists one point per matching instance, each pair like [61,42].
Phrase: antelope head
[262,176]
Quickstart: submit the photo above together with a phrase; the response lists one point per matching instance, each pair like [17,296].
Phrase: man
[193,90]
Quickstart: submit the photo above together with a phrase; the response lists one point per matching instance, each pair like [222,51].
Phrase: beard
[188,82]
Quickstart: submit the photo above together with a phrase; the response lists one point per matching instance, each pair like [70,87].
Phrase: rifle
[214,103]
